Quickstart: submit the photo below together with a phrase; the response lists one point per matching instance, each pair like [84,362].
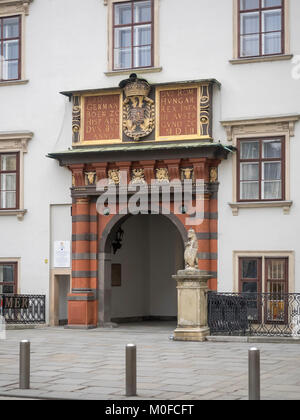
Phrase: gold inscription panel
[102,118]
[178,113]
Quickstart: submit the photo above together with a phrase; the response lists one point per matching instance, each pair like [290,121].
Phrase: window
[9,180]
[250,275]
[133,34]
[10,48]
[8,277]
[13,146]
[261,28]
[261,169]
[271,279]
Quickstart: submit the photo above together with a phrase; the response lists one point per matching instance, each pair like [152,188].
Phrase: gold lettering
[8,302]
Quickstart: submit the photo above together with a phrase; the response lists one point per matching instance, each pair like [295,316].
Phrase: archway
[135,282]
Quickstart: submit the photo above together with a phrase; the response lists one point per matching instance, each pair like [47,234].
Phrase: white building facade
[246,51]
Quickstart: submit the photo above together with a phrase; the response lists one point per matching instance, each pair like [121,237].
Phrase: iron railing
[254,314]
[23,309]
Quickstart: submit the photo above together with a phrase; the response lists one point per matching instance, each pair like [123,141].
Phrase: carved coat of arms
[138,109]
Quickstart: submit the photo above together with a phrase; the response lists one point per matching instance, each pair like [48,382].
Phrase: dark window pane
[249,45]
[4,288]
[271,43]
[123,58]
[142,11]
[249,287]
[6,273]
[123,14]
[142,57]
[11,27]
[249,23]
[271,20]
[123,37]
[249,190]
[8,163]
[249,150]
[249,4]
[11,50]
[142,35]
[271,3]
[10,70]
[249,269]
[271,149]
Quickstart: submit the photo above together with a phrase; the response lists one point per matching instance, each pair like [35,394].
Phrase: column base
[79,327]
[82,311]
[191,334]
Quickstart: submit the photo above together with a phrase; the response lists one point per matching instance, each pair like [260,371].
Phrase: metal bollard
[254,374]
[130,370]
[24,377]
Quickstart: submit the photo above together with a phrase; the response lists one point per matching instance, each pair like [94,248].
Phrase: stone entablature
[139,112]
[86,176]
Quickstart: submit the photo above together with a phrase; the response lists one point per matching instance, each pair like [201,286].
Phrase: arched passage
[136,282]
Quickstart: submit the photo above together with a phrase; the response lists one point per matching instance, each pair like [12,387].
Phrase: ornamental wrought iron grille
[23,309]
[254,314]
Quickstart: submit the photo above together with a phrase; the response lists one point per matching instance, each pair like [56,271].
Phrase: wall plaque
[178,112]
[101,118]
[116,275]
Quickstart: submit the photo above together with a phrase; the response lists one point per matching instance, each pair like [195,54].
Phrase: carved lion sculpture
[191,250]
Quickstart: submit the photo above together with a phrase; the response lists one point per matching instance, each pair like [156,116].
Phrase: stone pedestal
[192,305]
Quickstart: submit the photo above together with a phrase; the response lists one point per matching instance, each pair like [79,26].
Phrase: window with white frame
[133,34]
[261,169]
[261,27]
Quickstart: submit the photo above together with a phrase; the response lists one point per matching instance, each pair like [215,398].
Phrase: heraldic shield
[138,109]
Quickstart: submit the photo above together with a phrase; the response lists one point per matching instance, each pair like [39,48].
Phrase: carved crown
[135,87]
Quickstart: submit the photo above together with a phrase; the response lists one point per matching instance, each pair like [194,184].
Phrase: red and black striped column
[82,301]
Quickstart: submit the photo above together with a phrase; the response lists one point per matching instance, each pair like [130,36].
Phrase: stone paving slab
[90,364]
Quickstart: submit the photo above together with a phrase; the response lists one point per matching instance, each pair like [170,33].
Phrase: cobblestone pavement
[79,364]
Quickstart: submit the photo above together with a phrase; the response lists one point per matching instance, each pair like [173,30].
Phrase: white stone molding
[262,125]
[15,6]
[281,125]
[16,142]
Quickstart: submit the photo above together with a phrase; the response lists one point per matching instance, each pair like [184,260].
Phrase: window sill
[137,71]
[286,205]
[13,82]
[261,59]
[19,213]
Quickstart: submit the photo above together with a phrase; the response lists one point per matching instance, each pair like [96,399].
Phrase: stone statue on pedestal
[191,250]
[192,295]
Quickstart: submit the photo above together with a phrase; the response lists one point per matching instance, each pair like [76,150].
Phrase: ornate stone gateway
[158,133]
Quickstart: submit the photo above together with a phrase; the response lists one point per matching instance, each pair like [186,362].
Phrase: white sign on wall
[62,254]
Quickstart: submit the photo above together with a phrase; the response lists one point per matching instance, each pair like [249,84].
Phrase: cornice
[278,123]
[15,6]
[15,140]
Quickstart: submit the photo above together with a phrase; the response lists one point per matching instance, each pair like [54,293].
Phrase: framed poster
[62,254]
